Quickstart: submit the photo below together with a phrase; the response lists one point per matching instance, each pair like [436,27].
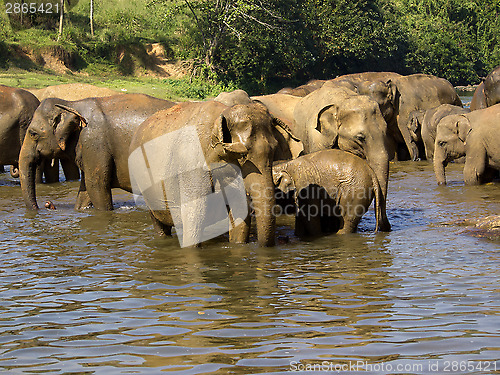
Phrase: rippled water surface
[97,293]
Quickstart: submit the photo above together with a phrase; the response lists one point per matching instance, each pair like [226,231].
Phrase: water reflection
[97,293]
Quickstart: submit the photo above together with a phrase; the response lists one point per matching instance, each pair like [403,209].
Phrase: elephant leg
[2,169]
[99,191]
[163,230]
[71,170]
[475,166]
[300,228]
[312,220]
[51,171]
[350,224]
[82,199]
[240,233]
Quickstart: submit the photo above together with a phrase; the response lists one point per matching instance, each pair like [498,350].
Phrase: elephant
[303,90]
[398,96]
[492,87]
[239,137]
[418,92]
[332,190]
[478,99]
[17,107]
[73,91]
[472,135]
[95,134]
[415,121]
[429,124]
[234,97]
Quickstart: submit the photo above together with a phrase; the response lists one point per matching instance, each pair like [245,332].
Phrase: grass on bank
[171,89]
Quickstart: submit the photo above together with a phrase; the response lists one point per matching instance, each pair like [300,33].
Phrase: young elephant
[472,135]
[332,190]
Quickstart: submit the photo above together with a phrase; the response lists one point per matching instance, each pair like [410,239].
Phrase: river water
[98,293]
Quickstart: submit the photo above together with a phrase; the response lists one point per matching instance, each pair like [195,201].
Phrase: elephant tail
[14,171]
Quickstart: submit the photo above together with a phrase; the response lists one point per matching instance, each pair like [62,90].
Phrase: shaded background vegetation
[261,45]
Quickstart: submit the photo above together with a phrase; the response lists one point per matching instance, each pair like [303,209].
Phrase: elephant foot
[83,201]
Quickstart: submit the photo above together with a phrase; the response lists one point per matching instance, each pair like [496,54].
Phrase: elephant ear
[284,181]
[463,128]
[328,123]
[221,135]
[69,121]
[393,94]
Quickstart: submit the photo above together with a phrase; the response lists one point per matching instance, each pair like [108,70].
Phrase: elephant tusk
[52,163]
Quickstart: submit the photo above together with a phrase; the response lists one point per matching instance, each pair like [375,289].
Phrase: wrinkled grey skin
[241,135]
[17,107]
[233,97]
[332,190]
[478,99]
[95,134]
[429,124]
[492,87]
[474,135]
[303,90]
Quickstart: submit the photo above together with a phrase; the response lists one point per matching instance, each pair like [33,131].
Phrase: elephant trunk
[27,172]
[380,165]
[439,165]
[260,186]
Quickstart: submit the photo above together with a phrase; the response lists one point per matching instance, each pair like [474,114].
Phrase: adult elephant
[95,134]
[472,135]
[17,107]
[429,124]
[478,99]
[199,136]
[336,117]
[492,87]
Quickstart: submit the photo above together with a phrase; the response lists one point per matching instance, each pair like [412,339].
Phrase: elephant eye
[360,137]
[441,143]
[33,134]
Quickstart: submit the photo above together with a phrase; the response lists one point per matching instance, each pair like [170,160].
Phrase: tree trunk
[92,18]
[61,19]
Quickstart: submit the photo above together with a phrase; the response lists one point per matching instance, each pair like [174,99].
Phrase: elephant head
[492,87]
[384,93]
[336,117]
[244,134]
[449,145]
[283,181]
[53,133]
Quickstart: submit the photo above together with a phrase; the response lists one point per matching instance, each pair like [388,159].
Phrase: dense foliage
[264,44]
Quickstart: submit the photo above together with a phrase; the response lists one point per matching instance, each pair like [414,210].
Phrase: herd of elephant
[324,144]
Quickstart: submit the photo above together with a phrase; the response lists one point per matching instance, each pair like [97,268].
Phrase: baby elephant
[332,190]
